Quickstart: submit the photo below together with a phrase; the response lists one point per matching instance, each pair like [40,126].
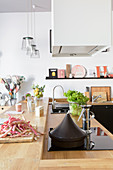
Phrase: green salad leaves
[75,99]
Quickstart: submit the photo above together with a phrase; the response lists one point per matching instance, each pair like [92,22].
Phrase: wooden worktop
[33,156]
[24,156]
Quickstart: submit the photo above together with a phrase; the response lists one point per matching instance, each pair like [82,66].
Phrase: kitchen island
[34,155]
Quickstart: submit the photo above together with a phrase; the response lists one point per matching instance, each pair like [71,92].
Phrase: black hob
[97,140]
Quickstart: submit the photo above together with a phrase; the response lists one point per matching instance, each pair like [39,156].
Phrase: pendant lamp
[28,40]
[26,43]
[35,52]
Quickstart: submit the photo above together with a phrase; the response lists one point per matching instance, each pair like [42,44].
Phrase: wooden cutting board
[17,140]
[103,96]
[106,89]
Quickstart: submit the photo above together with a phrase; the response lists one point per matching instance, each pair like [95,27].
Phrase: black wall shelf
[48,78]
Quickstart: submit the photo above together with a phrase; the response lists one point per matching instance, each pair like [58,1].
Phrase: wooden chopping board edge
[17,140]
[103,96]
[106,89]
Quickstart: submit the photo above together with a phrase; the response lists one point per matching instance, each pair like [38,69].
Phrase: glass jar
[75,108]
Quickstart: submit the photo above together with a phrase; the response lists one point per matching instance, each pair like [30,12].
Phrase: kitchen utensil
[106,89]
[67,134]
[78,71]
[68,70]
[97,141]
[87,116]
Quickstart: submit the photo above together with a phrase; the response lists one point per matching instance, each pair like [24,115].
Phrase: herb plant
[76,99]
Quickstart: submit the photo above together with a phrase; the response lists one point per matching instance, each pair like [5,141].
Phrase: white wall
[14,61]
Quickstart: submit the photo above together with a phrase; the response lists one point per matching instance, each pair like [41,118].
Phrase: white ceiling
[24,5]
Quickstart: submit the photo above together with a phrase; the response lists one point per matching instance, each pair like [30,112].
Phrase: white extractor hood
[80,27]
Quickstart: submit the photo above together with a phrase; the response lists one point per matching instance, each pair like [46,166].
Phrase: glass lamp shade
[29,50]
[26,43]
[33,46]
[35,54]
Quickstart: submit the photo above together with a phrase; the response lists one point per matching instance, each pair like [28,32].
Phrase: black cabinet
[104,115]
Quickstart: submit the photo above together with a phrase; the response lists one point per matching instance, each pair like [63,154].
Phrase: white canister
[39,111]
